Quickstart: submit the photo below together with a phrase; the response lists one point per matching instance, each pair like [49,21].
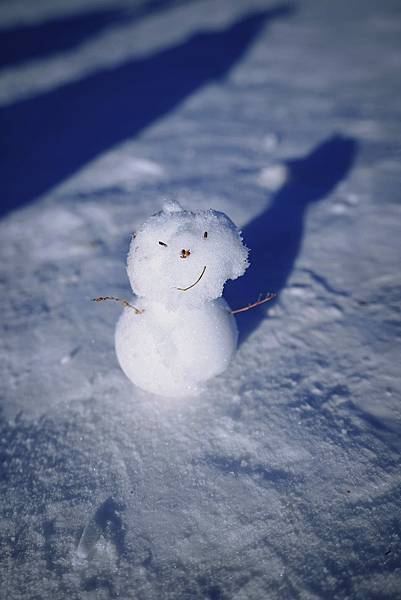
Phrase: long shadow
[26,42]
[47,138]
[275,236]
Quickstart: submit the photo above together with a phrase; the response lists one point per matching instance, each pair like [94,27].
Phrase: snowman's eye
[163,244]
[205,235]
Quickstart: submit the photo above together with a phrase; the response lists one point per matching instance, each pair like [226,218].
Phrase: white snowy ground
[283,479]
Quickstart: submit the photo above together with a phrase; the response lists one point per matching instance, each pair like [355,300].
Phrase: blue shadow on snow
[275,236]
[49,137]
[38,40]
[58,34]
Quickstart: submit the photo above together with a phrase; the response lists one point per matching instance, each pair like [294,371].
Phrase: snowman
[178,331]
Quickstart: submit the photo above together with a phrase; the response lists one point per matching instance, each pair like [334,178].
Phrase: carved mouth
[193,284]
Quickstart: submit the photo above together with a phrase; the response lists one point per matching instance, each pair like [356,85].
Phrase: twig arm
[124,303]
[267,298]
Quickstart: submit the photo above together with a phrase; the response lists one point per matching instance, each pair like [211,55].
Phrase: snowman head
[185,257]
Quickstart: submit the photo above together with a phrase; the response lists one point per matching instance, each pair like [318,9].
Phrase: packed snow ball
[176,247]
[178,263]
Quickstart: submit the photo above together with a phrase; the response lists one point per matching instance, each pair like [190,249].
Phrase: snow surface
[282,480]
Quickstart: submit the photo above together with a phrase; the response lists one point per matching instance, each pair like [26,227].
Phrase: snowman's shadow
[275,236]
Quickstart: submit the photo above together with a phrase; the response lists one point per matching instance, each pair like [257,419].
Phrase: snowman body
[170,352]
[185,333]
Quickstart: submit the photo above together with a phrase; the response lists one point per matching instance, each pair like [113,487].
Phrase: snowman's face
[178,256]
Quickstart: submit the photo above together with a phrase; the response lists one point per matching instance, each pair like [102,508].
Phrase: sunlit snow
[282,479]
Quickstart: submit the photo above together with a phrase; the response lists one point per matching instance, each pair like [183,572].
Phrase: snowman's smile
[193,284]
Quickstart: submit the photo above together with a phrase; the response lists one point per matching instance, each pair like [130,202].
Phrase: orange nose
[185,253]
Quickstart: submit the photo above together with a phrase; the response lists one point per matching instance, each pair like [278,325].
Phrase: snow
[282,479]
[174,335]
[171,351]
[170,251]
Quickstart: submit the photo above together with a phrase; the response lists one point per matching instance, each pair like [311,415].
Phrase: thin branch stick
[267,298]
[197,281]
[124,303]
